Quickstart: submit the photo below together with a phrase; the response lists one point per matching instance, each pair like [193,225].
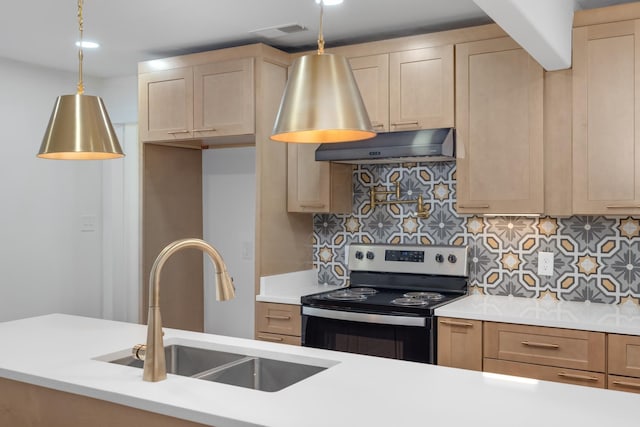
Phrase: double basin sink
[258,373]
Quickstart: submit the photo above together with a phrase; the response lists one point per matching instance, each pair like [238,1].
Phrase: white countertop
[589,316]
[57,351]
[289,287]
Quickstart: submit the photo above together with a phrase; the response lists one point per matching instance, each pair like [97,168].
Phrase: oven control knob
[452,258]
[370,255]
[359,255]
[439,258]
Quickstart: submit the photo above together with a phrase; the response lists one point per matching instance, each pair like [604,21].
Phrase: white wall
[47,263]
[121,205]
[229,190]
[120,95]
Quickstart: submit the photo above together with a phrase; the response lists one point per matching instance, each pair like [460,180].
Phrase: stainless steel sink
[258,373]
[186,361]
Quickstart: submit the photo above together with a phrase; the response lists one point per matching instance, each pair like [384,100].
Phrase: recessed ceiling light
[88,45]
[329,2]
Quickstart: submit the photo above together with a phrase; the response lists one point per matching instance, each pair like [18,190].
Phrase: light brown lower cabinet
[460,343]
[27,405]
[278,323]
[546,373]
[283,339]
[593,359]
[562,348]
[623,362]
[616,382]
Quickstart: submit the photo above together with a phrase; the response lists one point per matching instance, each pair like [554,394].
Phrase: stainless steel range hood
[429,145]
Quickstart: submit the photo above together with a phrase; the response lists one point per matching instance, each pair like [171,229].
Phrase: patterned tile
[595,258]
[587,231]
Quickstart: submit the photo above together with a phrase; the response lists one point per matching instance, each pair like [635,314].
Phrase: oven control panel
[417,259]
[404,256]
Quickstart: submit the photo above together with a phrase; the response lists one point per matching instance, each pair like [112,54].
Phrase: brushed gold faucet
[153,352]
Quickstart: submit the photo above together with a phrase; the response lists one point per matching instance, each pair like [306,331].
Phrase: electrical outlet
[545,263]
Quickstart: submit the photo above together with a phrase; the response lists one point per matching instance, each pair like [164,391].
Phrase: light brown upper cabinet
[319,187]
[606,108]
[203,101]
[372,76]
[407,90]
[421,93]
[499,121]
[166,104]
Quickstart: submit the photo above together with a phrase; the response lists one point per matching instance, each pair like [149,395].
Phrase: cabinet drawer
[564,348]
[278,318]
[616,382]
[624,355]
[283,339]
[546,373]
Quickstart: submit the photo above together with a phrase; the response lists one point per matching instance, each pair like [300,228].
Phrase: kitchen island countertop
[59,352]
[588,316]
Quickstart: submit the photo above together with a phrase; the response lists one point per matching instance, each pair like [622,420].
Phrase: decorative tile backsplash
[595,258]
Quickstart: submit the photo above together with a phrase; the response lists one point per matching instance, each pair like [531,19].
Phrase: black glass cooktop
[381,301]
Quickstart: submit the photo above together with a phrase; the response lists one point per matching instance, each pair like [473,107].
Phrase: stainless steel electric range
[388,308]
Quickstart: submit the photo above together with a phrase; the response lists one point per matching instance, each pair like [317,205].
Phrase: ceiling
[43,32]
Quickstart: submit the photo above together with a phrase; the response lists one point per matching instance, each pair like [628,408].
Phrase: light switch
[247,251]
[88,223]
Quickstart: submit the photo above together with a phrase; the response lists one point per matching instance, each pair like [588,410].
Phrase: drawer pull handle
[275,317]
[377,125]
[627,384]
[577,377]
[409,123]
[275,339]
[474,206]
[312,205]
[623,206]
[540,345]
[177,131]
[454,323]
[205,130]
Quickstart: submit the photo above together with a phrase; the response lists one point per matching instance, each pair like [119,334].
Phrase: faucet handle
[139,351]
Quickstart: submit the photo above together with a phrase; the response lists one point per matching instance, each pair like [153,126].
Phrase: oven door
[393,336]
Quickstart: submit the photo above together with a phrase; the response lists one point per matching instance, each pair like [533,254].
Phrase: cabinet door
[224,98]
[499,120]
[421,90]
[606,132]
[372,76]
[166,105]
[316,186]
[460,343]
[624,355]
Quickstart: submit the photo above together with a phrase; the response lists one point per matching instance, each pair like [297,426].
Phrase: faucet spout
[154,362]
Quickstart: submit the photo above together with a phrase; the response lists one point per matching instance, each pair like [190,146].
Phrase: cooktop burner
[410,301]
[345,295]
[363,291]
[433,296]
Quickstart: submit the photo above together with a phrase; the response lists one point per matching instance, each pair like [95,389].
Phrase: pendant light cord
[80,54]
[320,35]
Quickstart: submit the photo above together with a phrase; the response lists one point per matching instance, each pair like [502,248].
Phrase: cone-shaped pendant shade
[80,129]
[322,103]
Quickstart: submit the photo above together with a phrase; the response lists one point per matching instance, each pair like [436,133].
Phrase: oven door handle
[364,317]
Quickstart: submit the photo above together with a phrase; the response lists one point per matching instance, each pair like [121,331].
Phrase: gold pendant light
[79,127]
[321,102]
